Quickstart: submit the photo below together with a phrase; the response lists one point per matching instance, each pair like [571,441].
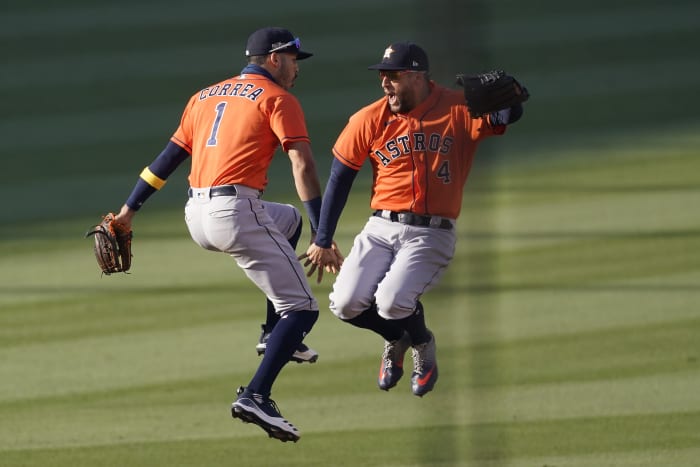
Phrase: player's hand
[125,217]
[312,266]
[338,255]
[319,259]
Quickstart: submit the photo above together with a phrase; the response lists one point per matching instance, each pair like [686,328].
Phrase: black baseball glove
[112,245]
[491,92]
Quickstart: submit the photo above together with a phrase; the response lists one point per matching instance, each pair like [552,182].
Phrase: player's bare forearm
[304,172]
[307,185]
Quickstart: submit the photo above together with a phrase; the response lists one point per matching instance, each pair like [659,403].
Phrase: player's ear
[274,59]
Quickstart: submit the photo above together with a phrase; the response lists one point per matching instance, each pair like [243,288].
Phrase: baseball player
[420,141]
[230,131]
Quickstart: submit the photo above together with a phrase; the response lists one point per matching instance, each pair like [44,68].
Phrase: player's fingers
[339,256]
[334,266]
[300,257]
[338,260]
[312,269]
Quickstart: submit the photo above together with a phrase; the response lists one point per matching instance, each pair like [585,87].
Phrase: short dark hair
[257,59]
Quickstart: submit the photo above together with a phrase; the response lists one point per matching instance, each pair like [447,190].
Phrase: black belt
[410,218]
[223,190]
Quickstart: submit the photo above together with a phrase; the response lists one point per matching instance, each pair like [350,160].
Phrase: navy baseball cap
[403,56]
[268,40]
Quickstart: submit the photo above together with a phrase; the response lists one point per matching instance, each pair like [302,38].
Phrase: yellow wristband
[152,179]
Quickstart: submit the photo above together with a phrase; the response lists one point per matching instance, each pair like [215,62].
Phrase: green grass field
[567,325]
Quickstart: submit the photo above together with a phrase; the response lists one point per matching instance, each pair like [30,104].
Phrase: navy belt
[224,190]
[410,218]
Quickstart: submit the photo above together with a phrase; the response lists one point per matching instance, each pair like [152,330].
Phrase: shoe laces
[419,357]
[261,400]
[266,403]
[388,353]
[391,352]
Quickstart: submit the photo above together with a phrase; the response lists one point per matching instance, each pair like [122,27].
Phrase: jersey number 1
[217,121]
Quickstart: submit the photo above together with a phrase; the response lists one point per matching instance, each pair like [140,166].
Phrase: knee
[389,306]
[345,309]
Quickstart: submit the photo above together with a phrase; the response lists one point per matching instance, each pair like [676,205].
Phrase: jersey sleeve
[287,120]
[354,142]
[184,135]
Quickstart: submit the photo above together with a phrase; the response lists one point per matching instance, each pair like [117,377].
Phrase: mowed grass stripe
[599,51]
[50,20]
[632,350]
[602,440]
[600,260]
[173,47]
[641,345]
[198,408]
[565,24]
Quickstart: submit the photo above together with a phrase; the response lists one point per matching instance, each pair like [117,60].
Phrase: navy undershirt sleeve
[162,167]
[141,192]
[515,113]
[313,210]
[168,160]
[334,199]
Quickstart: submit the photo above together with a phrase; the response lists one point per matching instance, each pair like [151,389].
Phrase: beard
[400,103]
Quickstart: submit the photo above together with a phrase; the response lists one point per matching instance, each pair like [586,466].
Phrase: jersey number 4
[221,106]
[443,172]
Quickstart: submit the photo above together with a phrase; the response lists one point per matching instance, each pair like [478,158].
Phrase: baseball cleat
[262,411]
[425,371]
[391,370]
[302,354]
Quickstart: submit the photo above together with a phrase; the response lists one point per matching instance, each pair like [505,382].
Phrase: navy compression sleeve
[506,116]
[334,199]
[313,209]
[153,177]
[515,113]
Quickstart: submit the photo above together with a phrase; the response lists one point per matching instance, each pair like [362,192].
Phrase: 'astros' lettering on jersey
[233,128]
[420,160]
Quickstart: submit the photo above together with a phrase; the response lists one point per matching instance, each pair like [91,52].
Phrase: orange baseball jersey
[420,160]
[233,128]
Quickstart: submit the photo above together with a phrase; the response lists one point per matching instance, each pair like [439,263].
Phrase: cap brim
[301,55]
[386,67]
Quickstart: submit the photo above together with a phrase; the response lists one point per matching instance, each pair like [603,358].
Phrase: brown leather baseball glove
[112,245]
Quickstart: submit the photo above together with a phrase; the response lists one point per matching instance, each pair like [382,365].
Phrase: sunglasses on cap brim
[278,47]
